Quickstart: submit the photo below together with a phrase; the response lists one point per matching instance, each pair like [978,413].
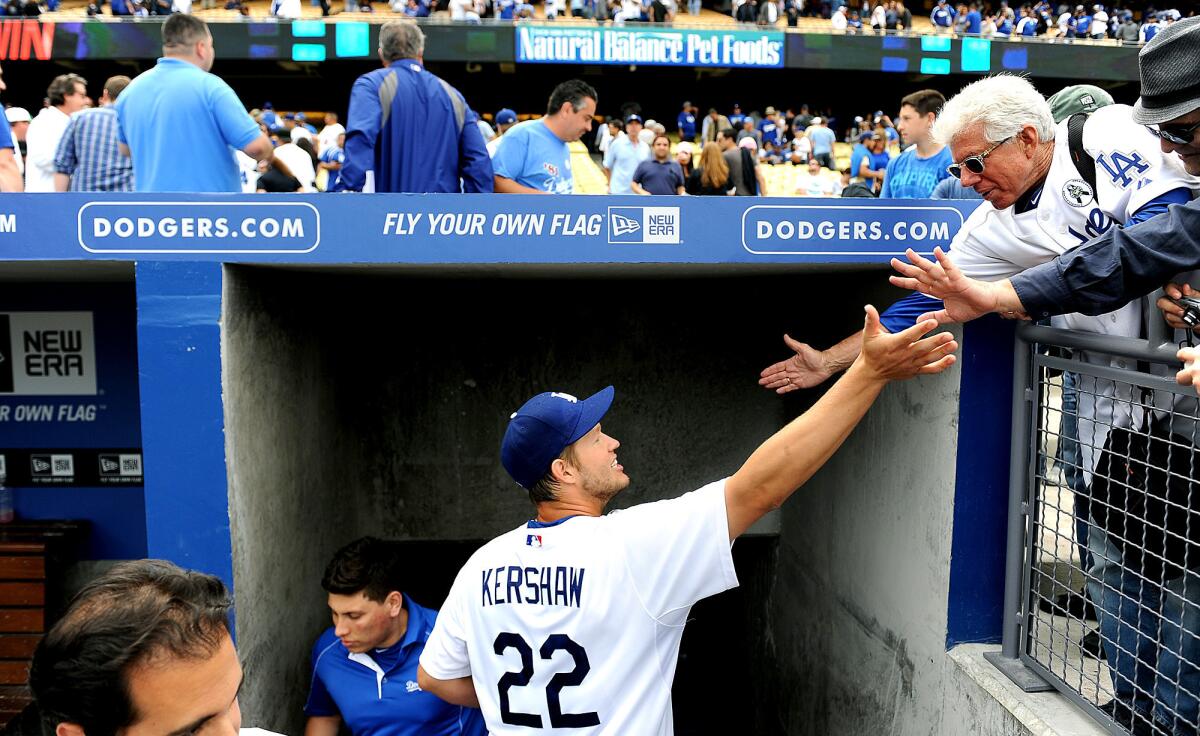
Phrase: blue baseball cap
[506,116]
[546,425]
[632,117]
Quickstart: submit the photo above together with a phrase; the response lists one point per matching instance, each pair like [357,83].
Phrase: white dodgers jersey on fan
[1131,171]
[574,627]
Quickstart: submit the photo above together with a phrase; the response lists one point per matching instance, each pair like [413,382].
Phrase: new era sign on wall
[47,354]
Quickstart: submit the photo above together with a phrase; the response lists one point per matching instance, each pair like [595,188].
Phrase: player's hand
[905,354]
[1172,312]
[965,298]
[807,368]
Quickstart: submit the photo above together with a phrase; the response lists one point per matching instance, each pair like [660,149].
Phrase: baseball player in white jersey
[571,623]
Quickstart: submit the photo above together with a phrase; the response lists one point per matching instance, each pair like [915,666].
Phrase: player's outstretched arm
[790,457]
[965,298]
[460,691]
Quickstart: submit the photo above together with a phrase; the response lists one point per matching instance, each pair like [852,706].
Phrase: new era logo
[646,225]
[53,466]
[124,466]
[622,225]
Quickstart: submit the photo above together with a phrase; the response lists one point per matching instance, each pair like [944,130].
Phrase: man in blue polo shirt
[178,97]
[365,665]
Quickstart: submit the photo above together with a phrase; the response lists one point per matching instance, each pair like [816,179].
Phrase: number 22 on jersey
[554,643]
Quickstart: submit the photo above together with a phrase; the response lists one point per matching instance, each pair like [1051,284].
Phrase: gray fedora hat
[1170,69]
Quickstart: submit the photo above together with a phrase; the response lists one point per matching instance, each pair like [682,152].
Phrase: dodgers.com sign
[663,47]
[199,227]
[847,230]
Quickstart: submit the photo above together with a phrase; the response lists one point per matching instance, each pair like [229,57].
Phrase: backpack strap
[1085,164]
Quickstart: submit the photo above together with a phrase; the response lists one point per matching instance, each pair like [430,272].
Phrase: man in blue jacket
[408,130]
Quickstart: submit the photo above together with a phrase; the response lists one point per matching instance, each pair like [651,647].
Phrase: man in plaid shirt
[88,157]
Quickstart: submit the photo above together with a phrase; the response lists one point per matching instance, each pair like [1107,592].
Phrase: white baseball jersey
[1131,171]
[574,627]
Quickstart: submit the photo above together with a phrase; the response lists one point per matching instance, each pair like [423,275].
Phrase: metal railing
[1102,586]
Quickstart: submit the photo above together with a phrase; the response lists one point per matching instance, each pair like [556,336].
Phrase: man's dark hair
[368,565]
[135,612]
[182,30]
[925,101]
[728,133]
[114,86]
[63,85]
[574,91]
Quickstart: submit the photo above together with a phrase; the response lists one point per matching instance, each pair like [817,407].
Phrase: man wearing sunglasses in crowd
[1121,264]
[1008,147]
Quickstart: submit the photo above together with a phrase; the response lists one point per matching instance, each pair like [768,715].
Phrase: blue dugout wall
[146,431]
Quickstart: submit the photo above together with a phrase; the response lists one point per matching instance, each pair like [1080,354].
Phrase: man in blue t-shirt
[179,96]
[737,117]
[769,128]
[915,173]
[686,123]
[974,21]
[364,667]
[10,175]
[533,156]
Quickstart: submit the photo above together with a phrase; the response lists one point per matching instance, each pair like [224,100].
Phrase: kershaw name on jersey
[561,585]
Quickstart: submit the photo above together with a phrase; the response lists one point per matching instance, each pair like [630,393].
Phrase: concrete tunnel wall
[367,403]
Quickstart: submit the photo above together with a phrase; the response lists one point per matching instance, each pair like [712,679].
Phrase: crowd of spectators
[792,151]
[72,146]
[1127,22]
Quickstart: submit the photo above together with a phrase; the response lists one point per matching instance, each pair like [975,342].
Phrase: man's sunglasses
[1178,134]
[974,164]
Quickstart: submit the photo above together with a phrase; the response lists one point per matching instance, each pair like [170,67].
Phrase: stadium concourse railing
[1102,584]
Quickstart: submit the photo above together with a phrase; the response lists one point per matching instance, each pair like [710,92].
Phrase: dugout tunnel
[346,383]
[371,400]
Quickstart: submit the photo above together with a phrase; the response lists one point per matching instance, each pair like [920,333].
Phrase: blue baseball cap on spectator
[630,118]
[506,116]
[289,116]
[546,425]
[301,116]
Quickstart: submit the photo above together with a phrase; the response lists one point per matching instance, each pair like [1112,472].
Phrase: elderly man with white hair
[1040,203]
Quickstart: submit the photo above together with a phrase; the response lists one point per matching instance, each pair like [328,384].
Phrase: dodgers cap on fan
[540,430]
[506,116]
